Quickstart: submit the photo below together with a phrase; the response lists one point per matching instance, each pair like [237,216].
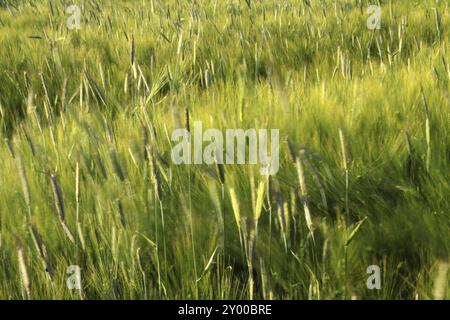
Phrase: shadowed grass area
[87,177]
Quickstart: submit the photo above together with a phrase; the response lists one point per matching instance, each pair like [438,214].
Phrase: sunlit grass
[149,229]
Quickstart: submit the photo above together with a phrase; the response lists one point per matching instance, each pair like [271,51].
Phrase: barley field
[92,205]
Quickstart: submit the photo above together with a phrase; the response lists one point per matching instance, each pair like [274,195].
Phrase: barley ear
[304,196]
[23,272]
[343,149]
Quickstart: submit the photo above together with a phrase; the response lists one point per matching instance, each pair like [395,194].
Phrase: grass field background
[87,178]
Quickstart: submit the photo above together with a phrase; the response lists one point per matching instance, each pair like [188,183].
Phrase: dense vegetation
[87,177]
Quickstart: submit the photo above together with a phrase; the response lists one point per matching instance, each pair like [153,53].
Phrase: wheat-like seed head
[259,201]
[304,196]
[343,149]
[23,272]
[235,205]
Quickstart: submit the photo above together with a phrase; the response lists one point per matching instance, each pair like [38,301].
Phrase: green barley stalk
[219,213]
[30,141]
[25,186]
[188,123]
[77,200]
[304,195]
[345,161]
[9,147]
[235,206]
[427,131]
[120,211]
[116,164]
[315,174]
[145,141]
[132,55]
[253,234]
[221,172]
[77,192]
[281,220]
[438,23]
[41,249]
[237,214]
[259,203]
[191,220]
[263,279]
[157,188]
[345,166]
[293,206]
[59,205]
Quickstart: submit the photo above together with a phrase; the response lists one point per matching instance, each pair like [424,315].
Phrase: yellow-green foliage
[87,177]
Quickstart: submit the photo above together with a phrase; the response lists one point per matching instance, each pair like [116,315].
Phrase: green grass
[73,106]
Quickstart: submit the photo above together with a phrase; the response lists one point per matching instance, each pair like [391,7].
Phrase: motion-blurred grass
[90,112]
